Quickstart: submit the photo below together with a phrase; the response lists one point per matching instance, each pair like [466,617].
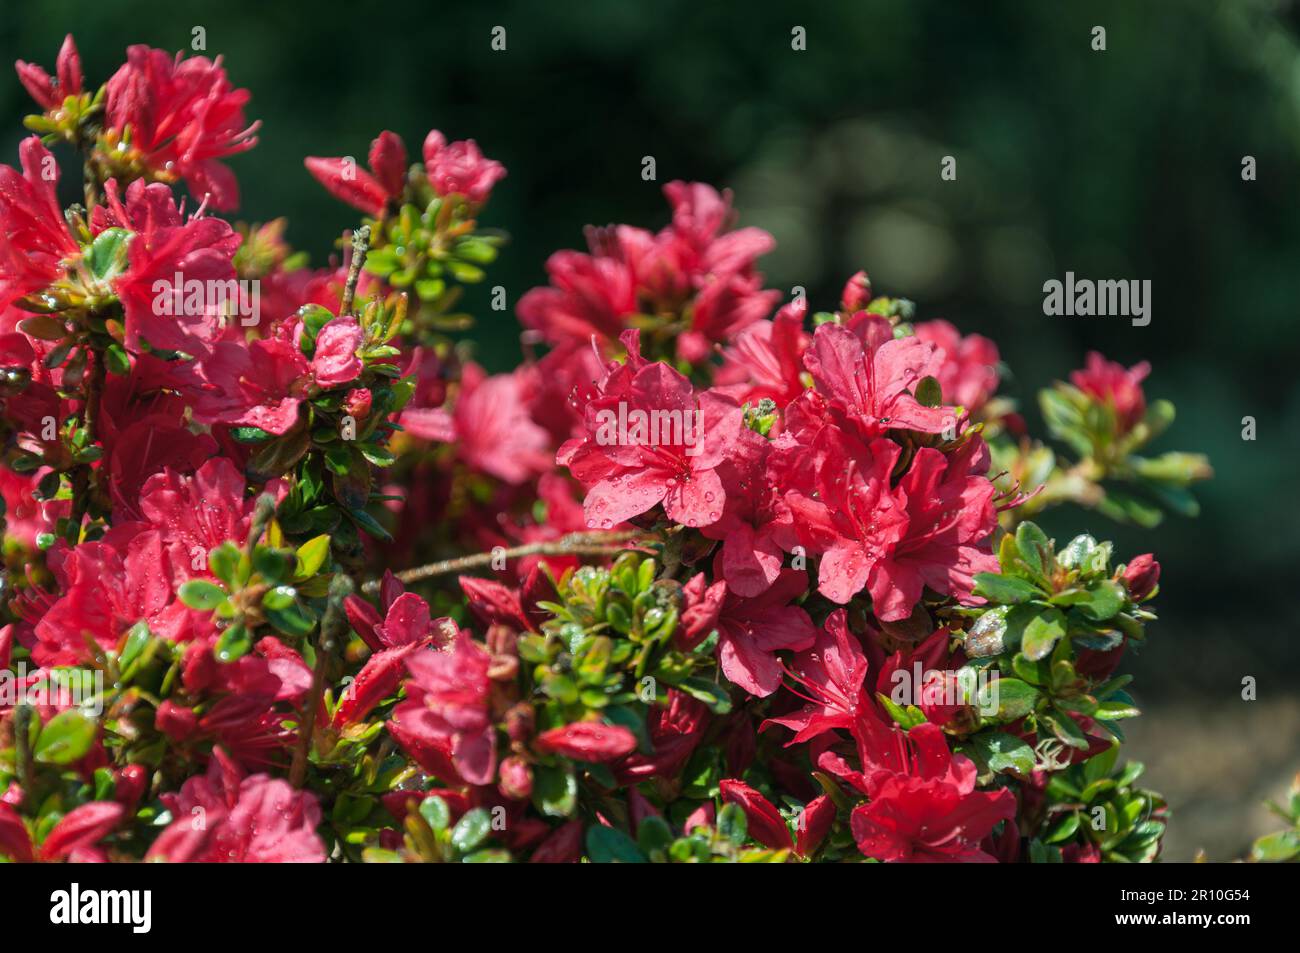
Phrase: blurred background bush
[1117,164]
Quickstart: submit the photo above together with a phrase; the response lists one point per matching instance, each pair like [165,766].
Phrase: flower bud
[857,293]
[357,403]
[1141,576]
[175,721]
[516,779]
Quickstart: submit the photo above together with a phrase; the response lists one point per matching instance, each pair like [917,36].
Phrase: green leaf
[1276,848]
[1099,602]
[201,595]
[732,824]
[928,392]
[311,556]
[65,738]
[1009,698]
[1042,633]
[654,834]
[471,830]
[1035,548]
[555,790]
[1004,752]
[1007,590]
[107,256]
[609,845]
[435,812]
[234,643]
[715,696]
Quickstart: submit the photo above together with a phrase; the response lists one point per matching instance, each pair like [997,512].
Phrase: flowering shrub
[701,583]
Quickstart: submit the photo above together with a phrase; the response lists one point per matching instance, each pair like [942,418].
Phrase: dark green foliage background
[1122,164]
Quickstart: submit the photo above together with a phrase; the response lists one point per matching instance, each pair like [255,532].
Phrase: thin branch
[360,245]
[575,544]
[332,625]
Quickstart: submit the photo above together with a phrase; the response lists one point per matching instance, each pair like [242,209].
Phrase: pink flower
[630,460]
[830,675]
[765,823]
[182,117]
[459,168]
[968,372]
[199,249]
[869,377]
[1117,388]
[36,239]
[262,383]
[81,829]
[766,359]
[931,530]
[227,818]
[489,424]
[587,295]
[925,807]
[50,91]
[752,631]
[448,701]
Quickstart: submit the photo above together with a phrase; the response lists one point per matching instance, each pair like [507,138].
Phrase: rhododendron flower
[766,825]
[766,359]
[694,267]
[931,530]
[968,372]
[448,701]
[245,820]
[459,168]
[1117,388]
[829,674]
[1141,576]
[752,631]
[262,383]
[50,91]
[166,248]
[658,443]
[929,811]
[180,117]
[489,425]
[37,240]
[870,376]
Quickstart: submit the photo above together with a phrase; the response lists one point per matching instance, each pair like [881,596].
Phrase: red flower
[370,192]
[832,672]
[164,245]
[752,631]
[923,806]
[1117,388]
[968,372]
[448,697]
[489,424]
[766,359]
[36,238]
[50,92]
[459,168]
[227,818]
[869,377]
[931,530]
[180,118]
[631,460]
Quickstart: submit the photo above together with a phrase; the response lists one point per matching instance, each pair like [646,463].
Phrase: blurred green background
[1117,164]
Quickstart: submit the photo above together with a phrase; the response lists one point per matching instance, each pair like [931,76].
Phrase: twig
[332,624]
[575,544]
[360,245]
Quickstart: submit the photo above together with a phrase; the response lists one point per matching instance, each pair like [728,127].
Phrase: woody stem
[575,544]
[360,245]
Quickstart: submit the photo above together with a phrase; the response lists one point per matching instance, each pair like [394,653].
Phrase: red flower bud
[357,403]
[564,846]
[516,779]
[857,293]
[1141,576]
[588,741]
[129,785]
[765,822]
[175,721]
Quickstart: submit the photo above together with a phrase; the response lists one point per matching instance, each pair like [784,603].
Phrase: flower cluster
[713,579]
